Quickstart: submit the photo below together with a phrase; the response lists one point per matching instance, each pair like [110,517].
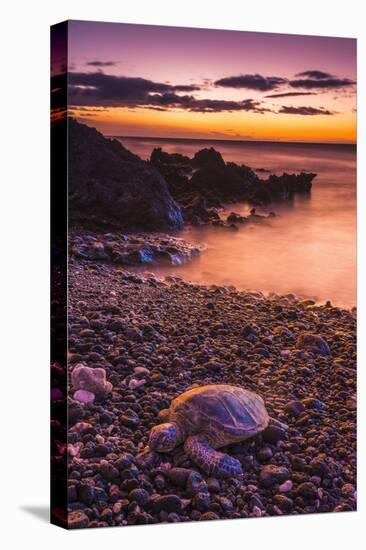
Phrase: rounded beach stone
[307,490]
[140,496]
[179,476]
[286,486]
[295,408]
[91,379]
[86,493]
[209,516]
[273,434]
[168,503]
[84,396]
[272,474]
[77,520]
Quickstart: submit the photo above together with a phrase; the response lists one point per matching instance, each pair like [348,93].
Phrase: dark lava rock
[140,496]
[312,342]
[129,418]
[312,403]
[208,516]
[179,476]
[129,484]
[109,186]
[281,187]
[168,503]
[307,490]
[298,463]
[319,467]
[147,459]
[108,471]
[273,434]
[75,412]
[86,493]
[264,454]
[202,184]
[208,158]
[101,450]
[201,502]
[124,461]
[284,503]
[272,474]
[213,485]
[295,408]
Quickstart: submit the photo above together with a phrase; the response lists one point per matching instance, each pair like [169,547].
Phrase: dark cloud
[101,63]
[193,104]
[318,75]
[308,111]
[325,83]
[91,109]
[290,94]
[217,105]
[252,82]
[113,90]
[185,88]
[99,89]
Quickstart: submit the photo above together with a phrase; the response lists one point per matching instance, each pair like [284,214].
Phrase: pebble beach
[157,338]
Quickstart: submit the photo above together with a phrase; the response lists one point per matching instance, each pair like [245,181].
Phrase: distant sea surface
[309,249]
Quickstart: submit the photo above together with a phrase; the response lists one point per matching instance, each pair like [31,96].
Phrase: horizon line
[354,143]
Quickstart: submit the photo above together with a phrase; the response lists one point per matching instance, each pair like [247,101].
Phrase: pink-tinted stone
[133,384]
[141,371]
[286,486]
[90,379]
[84,396]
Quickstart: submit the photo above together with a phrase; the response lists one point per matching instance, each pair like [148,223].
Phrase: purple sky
[201,57]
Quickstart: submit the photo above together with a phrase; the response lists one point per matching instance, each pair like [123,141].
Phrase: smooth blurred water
[309,249]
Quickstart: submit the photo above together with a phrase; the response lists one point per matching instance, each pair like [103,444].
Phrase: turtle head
[164,437]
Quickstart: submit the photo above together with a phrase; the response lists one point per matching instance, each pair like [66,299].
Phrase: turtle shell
[223,413]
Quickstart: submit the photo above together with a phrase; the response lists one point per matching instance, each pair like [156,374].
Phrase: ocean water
[309,249]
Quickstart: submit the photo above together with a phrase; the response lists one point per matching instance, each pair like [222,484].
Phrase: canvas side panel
[59,274]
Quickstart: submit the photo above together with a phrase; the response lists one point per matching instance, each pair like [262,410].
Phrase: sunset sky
[134,80]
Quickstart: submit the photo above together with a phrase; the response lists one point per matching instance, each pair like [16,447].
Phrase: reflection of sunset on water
[309,249]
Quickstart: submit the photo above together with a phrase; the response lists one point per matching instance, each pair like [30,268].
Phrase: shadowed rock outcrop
[111,187]
[206,182]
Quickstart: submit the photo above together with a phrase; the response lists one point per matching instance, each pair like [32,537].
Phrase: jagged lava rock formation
[205,182]
[111,187]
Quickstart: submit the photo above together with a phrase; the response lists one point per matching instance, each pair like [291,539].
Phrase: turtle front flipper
[210,461]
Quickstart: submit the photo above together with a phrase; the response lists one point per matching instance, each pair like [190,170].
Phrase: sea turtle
[207,418]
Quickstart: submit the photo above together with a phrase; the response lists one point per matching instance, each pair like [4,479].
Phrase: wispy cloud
[320,80]
[318,75]
[251,82]
[290,94]
[101,63]
[307,111]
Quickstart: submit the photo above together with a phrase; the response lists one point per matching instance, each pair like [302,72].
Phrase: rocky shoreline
[204,183]
[122,249]
[110,188]
[155,339]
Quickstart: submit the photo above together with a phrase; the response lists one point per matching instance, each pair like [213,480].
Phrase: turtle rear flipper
[212,462]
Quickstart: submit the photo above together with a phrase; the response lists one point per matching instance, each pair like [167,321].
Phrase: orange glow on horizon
[143,122]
